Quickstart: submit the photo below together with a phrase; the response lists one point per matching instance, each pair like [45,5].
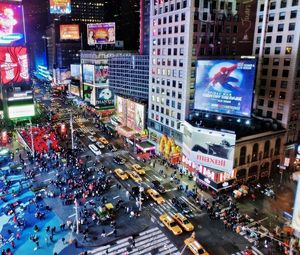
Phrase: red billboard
[14,65]
[69,32]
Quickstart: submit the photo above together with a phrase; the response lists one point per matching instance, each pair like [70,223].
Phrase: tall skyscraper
[276,44]
[144,26]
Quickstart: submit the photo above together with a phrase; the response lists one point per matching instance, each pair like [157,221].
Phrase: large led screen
[296,213]
[60,6]
[21,111]
[104,98]
[101,75]
[88,73]
[225,86]
[209,148]
[101,33]
[11,24]
[69,32]
[139,117]
[13,65]
[75,71]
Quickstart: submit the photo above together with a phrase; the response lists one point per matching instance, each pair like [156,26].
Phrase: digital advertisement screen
[209,148]
[75,71]
[139,117]
[121,109]
[14,65]
[101,33]
[89,94]
[74,90]
[60,6]
[21,111]
[101,75]
[296,213]
[225,86]
[11,24]
[88,73]
[104,98]
[69,32]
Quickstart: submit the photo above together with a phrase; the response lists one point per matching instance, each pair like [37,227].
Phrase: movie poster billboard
[60,6]
[89,94]
[88,73]
[139,117]
[209,148]
[225,86]
[69,32]
[121,109]
[101,75]
[14,65]
[11,24]
[296,213]
[75,71]
[101,33]
[104,98]
[130,114]
[74,90]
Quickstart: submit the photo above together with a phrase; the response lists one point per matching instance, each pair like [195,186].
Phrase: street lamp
[72,131]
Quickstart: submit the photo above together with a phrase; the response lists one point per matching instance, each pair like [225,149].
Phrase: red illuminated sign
[13,65]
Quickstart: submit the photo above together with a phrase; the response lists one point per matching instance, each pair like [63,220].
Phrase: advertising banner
[88,73]
[209,148]
[101,75]
[89,94]
[21,111]
[139,117]
[75,90]
[121,109]
[296,213]
[60,6]
[75,72]
[69,32]
[104,98]
[131,114]
[225,86]
[101,33]
[14,65]
[11,24]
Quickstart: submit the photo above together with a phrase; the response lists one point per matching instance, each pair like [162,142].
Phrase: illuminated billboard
[121,109]
[88,73]
[74,90]
[13,65]
[101,33]
[139,117]
[75,71]
[104,98]
[21,111]
[60,6]
[225,86]
[296,213]
[101,75]
[69,32]
[209,148]
[11,24]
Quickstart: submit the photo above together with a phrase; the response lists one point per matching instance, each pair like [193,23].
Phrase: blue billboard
[88,73]
[225,86]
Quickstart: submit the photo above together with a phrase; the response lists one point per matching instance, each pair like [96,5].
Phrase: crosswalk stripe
[256,251]
[191,204]
[148,231]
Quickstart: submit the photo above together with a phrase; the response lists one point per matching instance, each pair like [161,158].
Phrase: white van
[94,149]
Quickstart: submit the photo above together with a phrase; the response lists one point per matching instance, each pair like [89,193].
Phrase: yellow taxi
[138,169]
[183,222]
[135,176]
[170,224]
[155,196]
[195,247]
[121,174]
[103,140]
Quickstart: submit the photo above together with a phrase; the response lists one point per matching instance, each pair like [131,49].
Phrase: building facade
[144,26]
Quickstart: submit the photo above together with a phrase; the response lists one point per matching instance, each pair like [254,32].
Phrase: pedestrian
[18,235]
[63,240]
[12,244]
[103,233]
[115,232]
[46,240]
[76,243]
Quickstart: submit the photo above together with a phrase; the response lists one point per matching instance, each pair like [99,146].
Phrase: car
[170,224]
[118,160]
[157,186]
[92,132]
[183,222]
[92,139]
[100,145]
[94,149]
[121,174]
[135,176]
[111,147]
[136,193]
[195,247]
[103,140]
[138,169]
[181,206]
[156,196]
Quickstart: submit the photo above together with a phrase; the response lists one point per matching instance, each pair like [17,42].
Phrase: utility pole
[71,126]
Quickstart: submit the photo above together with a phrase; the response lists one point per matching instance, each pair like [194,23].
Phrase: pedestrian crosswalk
[255,251]
[147,242]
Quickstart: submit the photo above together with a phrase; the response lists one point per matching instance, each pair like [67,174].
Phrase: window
[288,50]
[264,71]
[277,146]
[293,14]
[295,2]
[273,83]
[243,152]
[182,29]
[285,73]
[272,94]
[260,18]
[292,26]
[277,50]
[267,50]
[259,29]
[280,106]
[179,106]
[272,5]
[279,39]
[178,116]
[270,104]
[254,152]
[283,84]
[268,39]
[281,15]
[282,95]
[271,17]
[276,61]
[279,116]
[269,114]
[290,39]
[262,92]
[261,8]
[261,102]
[280,27]
[283,4]
[266,61]
[263,82]
[287,62]
[266,149]
[270,28]
[274,72]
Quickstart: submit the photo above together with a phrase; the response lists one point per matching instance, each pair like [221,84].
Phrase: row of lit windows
[168,52]
[281,16]
[277,50]
[280,28]
[269,114]
[283,4]
[279,39]
[167,72]
[168,62]
[168,41]
[273,83]
[170,19]
[165,121]
[169,7]
[270,104]
[168,30]
[167,92]
[272,94]
[167,82]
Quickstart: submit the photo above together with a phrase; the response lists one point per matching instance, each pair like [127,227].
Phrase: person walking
[12,244]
